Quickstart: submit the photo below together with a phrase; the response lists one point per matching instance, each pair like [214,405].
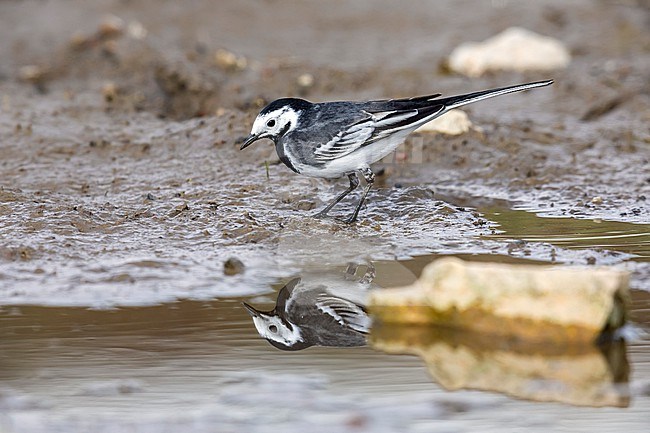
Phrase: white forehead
[282,115]
[283,335]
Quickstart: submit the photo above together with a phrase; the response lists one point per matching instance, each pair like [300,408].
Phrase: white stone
[530,301]
[454,122]
[515,49]
[137,30]
[305,80]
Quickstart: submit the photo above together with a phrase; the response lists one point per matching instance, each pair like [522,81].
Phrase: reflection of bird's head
[274,325]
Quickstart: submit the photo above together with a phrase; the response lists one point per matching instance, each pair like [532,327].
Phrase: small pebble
[233,266]
[229,61]
[136,30]
[305,81]
[111,26]
[178,210]
[32,74]
[109,91]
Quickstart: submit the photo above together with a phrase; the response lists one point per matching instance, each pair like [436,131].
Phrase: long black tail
[460,100]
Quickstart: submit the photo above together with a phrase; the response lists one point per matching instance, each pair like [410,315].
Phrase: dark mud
[121,184]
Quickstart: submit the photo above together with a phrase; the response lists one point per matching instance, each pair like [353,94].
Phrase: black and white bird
[333,139]
[317,310]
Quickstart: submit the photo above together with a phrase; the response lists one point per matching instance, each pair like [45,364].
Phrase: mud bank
[121,182]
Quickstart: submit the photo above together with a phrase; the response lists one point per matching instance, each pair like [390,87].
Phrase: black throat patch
[279,148]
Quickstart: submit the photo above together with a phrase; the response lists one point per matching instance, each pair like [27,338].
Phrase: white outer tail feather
[497,92]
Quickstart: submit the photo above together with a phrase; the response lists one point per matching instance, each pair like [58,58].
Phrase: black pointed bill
[252,311]
[249,140]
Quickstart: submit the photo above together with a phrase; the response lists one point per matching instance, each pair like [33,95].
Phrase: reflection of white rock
[574,374]
[454,122]
[514,49]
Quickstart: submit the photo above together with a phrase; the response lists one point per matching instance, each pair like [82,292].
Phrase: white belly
[356,160]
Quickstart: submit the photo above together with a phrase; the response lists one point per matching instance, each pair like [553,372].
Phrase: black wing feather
[382,120]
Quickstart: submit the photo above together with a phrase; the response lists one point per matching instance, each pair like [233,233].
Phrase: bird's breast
[284,156]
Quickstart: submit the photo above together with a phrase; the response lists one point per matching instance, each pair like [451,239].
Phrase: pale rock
[454,122]
[112,26]
[137,30]
[32,73]
[229,61]
[555,303]
[515,49]
[305,81]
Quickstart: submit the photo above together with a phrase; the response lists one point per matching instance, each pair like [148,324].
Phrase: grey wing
[374,126]
[344,312]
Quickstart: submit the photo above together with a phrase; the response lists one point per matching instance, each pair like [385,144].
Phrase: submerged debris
[111,388]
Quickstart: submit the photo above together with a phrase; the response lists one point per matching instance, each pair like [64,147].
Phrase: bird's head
[276,330]
[276,119]
[274,326]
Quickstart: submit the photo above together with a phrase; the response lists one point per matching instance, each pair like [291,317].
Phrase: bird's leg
[369,176]
[366,279]
[369,276]
[354,183]
[351,271]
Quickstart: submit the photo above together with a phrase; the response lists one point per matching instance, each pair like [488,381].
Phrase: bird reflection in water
[330,310]
[318,310]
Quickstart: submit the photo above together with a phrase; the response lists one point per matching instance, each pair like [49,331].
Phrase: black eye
[273,329]
[270,123]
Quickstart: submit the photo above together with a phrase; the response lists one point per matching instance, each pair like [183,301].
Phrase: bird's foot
[320,215]
[323,214]
[348,220]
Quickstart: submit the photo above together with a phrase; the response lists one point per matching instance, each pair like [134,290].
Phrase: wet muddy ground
[122,189]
